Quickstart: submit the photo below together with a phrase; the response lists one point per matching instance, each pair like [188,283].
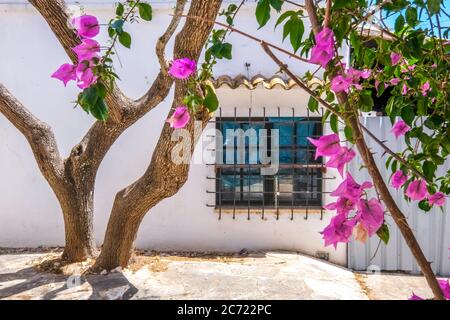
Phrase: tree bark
[163,178]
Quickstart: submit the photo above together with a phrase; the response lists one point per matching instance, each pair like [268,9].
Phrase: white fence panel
[432,229]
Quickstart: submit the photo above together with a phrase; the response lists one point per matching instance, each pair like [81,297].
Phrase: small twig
[248,36]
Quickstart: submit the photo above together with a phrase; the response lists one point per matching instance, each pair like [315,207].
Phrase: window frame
[268,200]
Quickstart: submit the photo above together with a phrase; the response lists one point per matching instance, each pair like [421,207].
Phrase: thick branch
[312,14]
[164,39]
[39,136]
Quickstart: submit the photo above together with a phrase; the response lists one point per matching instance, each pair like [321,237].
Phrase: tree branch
[39,136]
[164,39]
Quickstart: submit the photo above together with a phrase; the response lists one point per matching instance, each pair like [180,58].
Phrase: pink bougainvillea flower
[437,199]
[341,83]
[415,297]
[400,128]
[342,206]
[322,55]
[445,287]
[412,67]
[323,52]
[327,145]
[425,88]
[398,179]
[350,189]
[179,118]
[339,230]
[356,74]
[65,73]
[324,37]
[417,190]
[339,160]
[394,81]
[404,89]
[87,26]
[182,68]
[85,75]
[395,58]
[370,214]
[87,49]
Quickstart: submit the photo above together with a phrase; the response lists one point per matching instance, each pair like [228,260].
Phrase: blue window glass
[298,182]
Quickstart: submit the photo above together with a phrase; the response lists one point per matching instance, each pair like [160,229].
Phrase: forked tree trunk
[163,178]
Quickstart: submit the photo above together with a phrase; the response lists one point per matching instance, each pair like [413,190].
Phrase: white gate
[432,229]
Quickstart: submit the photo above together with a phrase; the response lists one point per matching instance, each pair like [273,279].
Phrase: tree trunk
[78,215]
[120,235]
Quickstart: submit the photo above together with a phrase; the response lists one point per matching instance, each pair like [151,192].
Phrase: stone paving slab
[270,275]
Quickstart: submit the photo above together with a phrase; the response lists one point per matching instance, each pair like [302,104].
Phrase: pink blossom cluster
[348,79]
[368,214]
[367,217]
[180,118]
[87,54]
[417,189]
[323,52]
[181,69]
[330,146]
[406,69]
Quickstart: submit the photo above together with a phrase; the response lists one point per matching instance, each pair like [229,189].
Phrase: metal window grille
[298,184]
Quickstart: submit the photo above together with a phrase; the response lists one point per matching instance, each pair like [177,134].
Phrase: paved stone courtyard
[263,275]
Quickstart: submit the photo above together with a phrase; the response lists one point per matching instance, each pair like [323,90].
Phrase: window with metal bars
[298,182]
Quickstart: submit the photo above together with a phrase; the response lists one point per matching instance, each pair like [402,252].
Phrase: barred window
[298,182]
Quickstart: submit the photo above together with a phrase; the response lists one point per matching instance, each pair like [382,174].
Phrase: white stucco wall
[29,213]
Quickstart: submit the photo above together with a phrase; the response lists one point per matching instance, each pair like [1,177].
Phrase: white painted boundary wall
[432,229]
[29,213]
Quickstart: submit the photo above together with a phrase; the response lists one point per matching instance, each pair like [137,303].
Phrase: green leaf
[424,205]
[434,6]
[100,110]
[411,16]
[383,233]
[276,4]
[366,101]
[348,132]
[118,26]
[429,168]
[313,104]
[262,12]
[145,11]
[125,39]
[226,51]
[283,17]
[120,9]
[211,101]
[339,4]
[399,23]
[88,98]
[407,114]
[334,123]
[296,33]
